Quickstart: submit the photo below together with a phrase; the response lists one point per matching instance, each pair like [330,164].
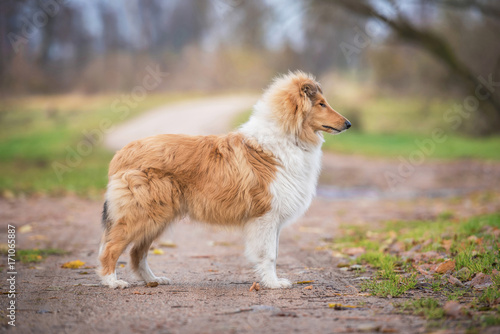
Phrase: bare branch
[426,39]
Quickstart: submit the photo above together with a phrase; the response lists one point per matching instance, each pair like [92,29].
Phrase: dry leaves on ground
[73,264]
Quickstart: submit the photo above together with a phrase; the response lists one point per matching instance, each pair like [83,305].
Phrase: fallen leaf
[213,270]
[397,247]
[355,267]
[447,244]
[445,266]
[481,281]
[83,273]
[304,282]
[285,314]
[454,281]
[310,287]
[354,251]
[255,286]
[364,294]
[137,293]
[152,284]
[422,271]
[220,243]
[340,306]
[370,327]
[158,251]
[337,254]
[168,244]
[452,308]
[25,228]
[73,264]
[122,265]
[472,238]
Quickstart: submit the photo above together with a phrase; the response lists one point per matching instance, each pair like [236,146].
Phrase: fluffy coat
[261,177]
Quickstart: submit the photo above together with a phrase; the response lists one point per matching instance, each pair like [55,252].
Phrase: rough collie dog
[261,177]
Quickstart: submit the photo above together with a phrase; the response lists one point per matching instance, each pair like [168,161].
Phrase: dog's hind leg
[261,238]
[116,240]
[139,254]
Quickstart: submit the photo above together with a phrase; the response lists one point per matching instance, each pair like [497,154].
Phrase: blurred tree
[439,46]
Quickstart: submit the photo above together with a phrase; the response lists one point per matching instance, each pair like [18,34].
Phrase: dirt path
[210,277]
[198,117]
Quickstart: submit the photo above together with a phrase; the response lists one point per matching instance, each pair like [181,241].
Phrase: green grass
[490,295]
[394,286]
[430,308]
[490,320]
[404,145]
[472,243]
[483,262]
[37,255]
[386,282]
[38,133]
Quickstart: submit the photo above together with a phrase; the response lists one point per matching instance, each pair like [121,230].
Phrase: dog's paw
[113,283]
[280,283]
[159,280]
[120,284]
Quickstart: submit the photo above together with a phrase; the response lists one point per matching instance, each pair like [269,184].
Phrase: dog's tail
[106,222]
[106,225]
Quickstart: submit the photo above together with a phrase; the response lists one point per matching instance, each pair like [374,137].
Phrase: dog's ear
[309,89]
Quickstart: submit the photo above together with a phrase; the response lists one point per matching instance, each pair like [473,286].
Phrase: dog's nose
[347,124]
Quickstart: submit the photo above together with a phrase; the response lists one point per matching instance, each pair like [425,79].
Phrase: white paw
[280,283]
[113,283]
[120,284]
[159,280]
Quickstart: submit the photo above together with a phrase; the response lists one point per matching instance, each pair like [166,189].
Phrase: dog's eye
[323,105]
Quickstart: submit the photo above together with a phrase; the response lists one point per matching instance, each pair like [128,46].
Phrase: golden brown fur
[156,180]
[223,180]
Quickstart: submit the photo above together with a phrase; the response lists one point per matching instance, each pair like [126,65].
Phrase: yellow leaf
[168,243]
[445,266]
[122,265]
[73,264]
[158,251]
[304,282]
[25,228]
[340,306]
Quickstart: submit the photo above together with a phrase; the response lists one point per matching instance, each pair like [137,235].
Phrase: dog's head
[298,105]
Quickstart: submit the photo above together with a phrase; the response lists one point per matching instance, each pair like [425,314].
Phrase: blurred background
[401,71]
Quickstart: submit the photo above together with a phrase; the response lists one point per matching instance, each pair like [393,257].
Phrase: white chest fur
[296,179]
[295,183]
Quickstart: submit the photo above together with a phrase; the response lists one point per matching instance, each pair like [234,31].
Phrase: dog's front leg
[261,238]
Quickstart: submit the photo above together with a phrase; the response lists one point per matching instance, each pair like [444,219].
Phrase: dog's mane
[288,100]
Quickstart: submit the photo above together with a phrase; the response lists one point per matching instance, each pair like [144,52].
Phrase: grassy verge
[380,128]
[448,267]
[403,144]
[40,135]
[37,255]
